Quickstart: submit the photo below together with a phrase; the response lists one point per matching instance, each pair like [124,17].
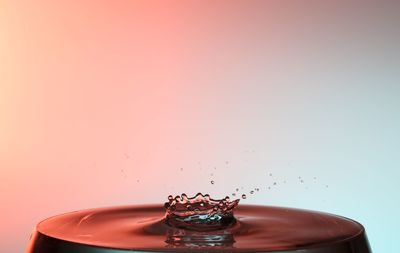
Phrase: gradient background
[103,102]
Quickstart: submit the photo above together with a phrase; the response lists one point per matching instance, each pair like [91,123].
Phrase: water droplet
[270,174]
[212,182]
[326,186]
[315,178]
[184,197]
[244,196]
[302,181]
[274,183]
[181,169]
[257,189]
[237,189]
[251,192]
[233,194]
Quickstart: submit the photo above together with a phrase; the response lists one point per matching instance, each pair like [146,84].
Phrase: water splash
[143,228]
[200,213]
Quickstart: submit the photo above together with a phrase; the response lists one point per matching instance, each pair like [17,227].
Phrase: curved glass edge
[40,243]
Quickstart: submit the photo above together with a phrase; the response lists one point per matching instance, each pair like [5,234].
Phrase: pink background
[103,102]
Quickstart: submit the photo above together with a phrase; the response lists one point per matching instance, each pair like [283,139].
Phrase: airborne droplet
[244,196]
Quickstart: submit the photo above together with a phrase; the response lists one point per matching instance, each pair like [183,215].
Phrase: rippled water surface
[145,228]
